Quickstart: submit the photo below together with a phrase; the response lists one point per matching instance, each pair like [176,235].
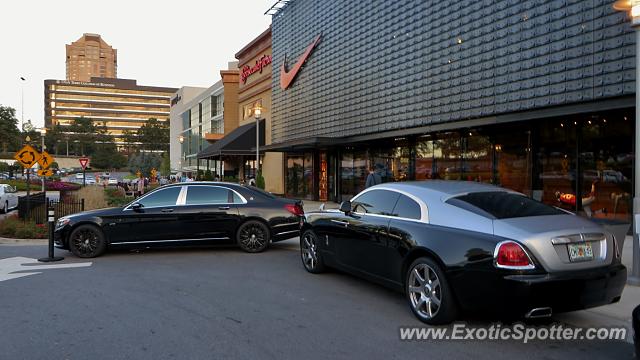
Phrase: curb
[11,241]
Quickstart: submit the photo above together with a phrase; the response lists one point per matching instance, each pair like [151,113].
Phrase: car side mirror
[136,206]
[345,206]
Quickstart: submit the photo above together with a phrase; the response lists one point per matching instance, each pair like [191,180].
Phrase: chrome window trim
[128,207]
[244,200]
[424,209]
[509,267]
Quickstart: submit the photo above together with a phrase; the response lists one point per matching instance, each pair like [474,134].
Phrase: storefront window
[446,156]
[347,186]
[606,163]
[425,168]
[299,180]
[477,157]
[555,171]
[513,164]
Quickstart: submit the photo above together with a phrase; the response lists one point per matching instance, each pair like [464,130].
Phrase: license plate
[580,252]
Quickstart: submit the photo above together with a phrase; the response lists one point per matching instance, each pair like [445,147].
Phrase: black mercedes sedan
[194,213]
[455,246]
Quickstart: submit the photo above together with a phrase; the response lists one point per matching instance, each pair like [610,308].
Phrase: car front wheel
[428,293]
[87,241]
[309,252]
[253,236]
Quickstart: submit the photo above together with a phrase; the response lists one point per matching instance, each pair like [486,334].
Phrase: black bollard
[51,220]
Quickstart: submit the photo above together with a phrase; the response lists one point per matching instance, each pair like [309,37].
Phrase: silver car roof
[442,189]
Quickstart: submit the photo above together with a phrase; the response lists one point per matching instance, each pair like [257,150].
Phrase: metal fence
[35,206]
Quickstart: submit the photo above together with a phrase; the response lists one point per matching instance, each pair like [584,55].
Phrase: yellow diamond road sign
[27,156]
[45,172]
[46,160]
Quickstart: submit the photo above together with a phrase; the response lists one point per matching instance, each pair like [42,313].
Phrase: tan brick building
[90,56]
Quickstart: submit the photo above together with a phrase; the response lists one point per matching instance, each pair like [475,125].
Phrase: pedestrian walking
[140,186]
[373,178]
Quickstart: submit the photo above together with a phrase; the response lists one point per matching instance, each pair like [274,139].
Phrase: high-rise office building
[90,56]
[119,104]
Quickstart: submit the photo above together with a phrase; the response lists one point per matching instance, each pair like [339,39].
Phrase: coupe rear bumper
[567,291]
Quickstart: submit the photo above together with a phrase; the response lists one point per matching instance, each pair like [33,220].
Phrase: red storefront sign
[261,63]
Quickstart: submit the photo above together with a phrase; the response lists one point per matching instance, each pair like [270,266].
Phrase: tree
[54,139]
[9,133]
[165,167]
[154,135]
[144,162]
[84,136]
[130,140]
[106,156]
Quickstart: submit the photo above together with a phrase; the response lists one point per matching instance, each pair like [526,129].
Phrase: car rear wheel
[87,241]
[309,252]
[253,236]
[428,293]
[5,207]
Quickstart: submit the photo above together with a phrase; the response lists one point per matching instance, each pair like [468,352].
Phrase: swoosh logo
[286,77]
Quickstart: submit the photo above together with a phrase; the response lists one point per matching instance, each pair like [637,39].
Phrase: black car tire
[253,236]
[309,254]
[5,207]
[87,241]
[429,295]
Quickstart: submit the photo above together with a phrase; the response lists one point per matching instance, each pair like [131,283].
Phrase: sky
[159,43]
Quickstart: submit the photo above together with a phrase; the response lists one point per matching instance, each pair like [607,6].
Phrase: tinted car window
[379,202]
[407,208]
[164,197]
[199,195]
[502,205]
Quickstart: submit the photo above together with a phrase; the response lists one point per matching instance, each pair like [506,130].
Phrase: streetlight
[22,81]
[43,132]
[181,140]
[257,112]
[633,7]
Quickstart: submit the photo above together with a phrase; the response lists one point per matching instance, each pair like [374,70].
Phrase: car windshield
[502,205]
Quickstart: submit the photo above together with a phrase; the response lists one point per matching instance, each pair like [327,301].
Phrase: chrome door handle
[224,207]
[345,223]
[167,210]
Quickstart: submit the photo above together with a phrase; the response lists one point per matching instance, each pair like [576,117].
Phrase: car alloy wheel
[428,293]
[425,291]
[309,252]
[253,236]
[87,241]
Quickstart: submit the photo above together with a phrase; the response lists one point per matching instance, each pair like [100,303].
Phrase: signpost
[84,161]
[27,157]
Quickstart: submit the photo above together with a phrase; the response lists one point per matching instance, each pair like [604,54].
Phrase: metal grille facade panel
[395,64]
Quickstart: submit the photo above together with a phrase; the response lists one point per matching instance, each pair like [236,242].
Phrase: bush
[116,197]
[260,180]
[15,228]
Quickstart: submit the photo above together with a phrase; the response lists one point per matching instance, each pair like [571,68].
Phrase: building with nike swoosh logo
[534,96]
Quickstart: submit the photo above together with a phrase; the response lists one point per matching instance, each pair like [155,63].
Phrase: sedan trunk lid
[560,242]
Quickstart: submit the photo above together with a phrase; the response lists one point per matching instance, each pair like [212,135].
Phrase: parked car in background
[193,213]
[456,246]
[112,181]
[8,198]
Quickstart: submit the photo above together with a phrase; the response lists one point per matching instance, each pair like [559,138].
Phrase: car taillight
[295,209]
[511,255]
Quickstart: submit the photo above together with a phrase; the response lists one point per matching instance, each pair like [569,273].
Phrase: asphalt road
[220,303]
